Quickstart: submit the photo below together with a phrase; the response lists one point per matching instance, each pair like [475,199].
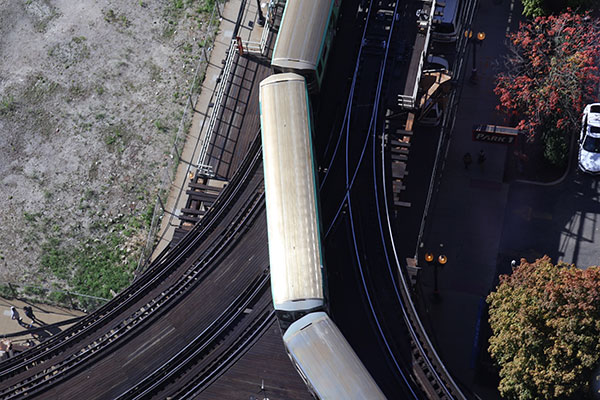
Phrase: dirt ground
[91,96]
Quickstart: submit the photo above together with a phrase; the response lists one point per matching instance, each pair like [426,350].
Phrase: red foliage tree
[551,72]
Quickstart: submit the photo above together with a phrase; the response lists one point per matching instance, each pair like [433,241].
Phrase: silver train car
[304,39]
[327,363]
[291,197]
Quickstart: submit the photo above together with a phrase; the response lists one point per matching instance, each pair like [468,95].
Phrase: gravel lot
[91,96]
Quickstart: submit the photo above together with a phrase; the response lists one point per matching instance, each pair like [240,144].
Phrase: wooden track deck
[266,360]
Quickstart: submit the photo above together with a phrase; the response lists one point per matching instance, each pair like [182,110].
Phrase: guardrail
[261,47]
[242,47]
[408,101]
[447,124]
[203,168]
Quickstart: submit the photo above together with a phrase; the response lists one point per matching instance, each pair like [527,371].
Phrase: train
[323,357]
[291,197]
[325,360]
[303,43]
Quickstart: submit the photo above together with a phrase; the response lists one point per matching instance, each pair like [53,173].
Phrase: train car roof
[290,187]
[326,360]
[286,77]
[301,34]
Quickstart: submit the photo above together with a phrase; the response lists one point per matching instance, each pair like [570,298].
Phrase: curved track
[359,211]
[201,304]
[214,271]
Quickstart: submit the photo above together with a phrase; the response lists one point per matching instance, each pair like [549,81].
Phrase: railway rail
[430,372]
[51,361]
[220,333]
[180,269]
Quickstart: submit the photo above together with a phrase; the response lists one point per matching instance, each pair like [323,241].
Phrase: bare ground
[91,95]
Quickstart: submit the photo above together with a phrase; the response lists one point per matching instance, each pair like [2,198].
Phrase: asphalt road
[561,221]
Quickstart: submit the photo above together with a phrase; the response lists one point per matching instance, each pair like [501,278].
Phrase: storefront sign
[495,134]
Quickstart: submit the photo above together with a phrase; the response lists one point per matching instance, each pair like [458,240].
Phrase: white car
[589,140]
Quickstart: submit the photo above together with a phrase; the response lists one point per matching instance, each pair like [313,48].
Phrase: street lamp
[476,41]
[439,262]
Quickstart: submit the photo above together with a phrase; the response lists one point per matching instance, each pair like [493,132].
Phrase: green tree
[538,8]
[546,330]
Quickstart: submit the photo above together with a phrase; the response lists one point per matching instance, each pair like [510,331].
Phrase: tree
[550,73]
[538,8]
[546,330]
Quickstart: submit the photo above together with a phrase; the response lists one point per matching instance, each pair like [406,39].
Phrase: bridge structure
[199,321]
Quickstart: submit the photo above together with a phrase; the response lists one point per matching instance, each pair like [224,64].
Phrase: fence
[241,46]
[202,168]
[39,294]
[408,101]
[261,47]
[447,126]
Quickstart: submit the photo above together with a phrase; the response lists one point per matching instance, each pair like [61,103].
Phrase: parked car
[589,139]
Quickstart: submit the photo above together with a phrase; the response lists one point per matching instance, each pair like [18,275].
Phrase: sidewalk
[249,30]
[49,319]
[467,217]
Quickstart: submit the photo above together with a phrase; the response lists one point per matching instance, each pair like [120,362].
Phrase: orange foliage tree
[546,330]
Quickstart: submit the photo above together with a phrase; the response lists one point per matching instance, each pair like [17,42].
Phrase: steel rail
[350,97]
[442,380]
[44,379]
[193,350]
[155,275]
[258,327]
[419,335]
[347,198]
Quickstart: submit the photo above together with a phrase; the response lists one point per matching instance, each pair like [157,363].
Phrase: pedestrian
[14,314]
[481,157]
[467,159]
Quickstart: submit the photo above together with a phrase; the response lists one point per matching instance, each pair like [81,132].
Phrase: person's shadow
[44,330]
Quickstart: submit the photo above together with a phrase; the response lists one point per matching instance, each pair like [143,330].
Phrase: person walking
[467,160]
[481,157]
[14,314]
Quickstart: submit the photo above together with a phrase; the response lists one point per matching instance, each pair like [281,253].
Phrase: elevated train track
[151,324]
[362,206]
[231,310]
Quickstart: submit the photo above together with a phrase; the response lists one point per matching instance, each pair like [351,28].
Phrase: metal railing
[408,101]
[203,168]
[262,46]
[240,45]
[447,126]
